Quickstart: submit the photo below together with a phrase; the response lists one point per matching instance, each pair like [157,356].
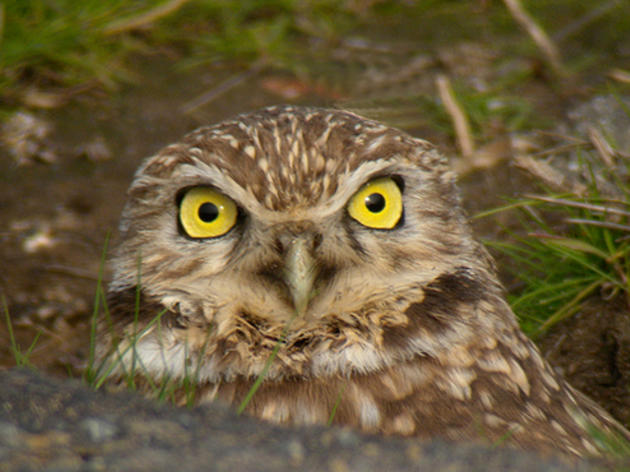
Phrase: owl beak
[299,272]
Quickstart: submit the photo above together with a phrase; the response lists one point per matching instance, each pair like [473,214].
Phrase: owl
[311,266]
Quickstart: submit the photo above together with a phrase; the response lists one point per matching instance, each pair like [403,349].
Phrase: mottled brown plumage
[401,330]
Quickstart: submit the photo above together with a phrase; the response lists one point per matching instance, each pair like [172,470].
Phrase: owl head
[336,237]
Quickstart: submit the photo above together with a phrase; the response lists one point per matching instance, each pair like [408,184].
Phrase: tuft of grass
[89,374]
[62,43]
[96,376]
[571,246]
[559,267]
[22,358]
[615,447]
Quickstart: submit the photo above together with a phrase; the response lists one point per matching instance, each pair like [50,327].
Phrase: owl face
[313,228]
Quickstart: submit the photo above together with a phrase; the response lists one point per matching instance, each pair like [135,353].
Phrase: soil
[60,200]
[592,350]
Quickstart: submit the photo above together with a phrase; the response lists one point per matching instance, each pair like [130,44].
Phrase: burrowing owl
[326,256]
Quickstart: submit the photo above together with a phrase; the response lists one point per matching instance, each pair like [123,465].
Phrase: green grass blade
[89,372]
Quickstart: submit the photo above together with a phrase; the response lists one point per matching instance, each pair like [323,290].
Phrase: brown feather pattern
[406,331]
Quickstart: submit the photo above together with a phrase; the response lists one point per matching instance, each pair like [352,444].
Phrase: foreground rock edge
[59,424]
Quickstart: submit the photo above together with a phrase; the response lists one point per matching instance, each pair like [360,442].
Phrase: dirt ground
[58,215]
[62,193]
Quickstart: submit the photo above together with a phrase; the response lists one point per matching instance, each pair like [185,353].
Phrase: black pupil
[375,202]
[208,212]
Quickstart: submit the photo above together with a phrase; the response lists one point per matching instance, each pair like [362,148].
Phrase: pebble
[99,430]
[10,435]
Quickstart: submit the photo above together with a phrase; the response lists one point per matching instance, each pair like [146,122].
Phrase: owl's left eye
[378,204]
[206,213]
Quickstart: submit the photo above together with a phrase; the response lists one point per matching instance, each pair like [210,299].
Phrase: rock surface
[61,425]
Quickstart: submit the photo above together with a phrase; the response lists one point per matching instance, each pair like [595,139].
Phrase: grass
[66,46]
[616,448]
[97,374]
[50,44]
[22,358]
[60,43]
[496,107]
[570,246]
[333,412]
[166,388]
[89,374]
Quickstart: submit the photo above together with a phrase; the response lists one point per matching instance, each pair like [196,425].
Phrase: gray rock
[61,425]
[608,114]
[98,429]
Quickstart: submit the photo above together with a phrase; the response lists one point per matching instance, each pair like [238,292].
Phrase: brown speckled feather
[403,331]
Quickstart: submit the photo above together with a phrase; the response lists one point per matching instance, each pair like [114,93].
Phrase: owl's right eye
[378,204]
[206,213]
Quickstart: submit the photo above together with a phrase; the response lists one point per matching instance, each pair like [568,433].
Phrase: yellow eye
[378,204]
[206,213]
